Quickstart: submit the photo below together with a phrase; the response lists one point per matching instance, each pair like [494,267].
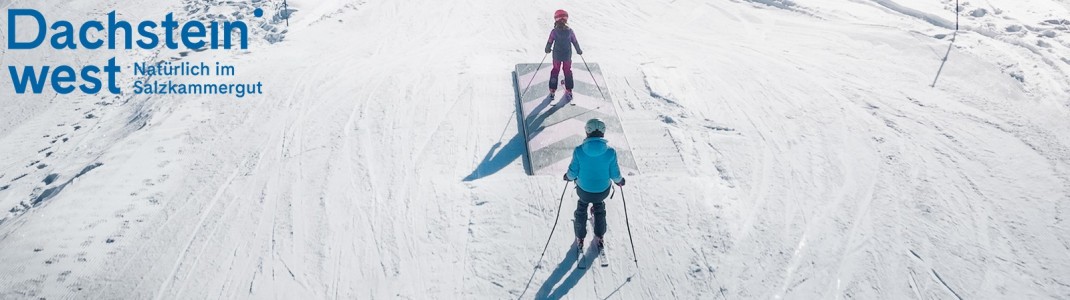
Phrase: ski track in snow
[787,150]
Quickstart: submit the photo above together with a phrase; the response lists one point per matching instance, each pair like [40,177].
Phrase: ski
[579,255]
[601,244]
[600,256]
[568,96]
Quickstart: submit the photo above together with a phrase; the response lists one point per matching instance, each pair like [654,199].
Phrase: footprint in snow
[50,178]
[63,276]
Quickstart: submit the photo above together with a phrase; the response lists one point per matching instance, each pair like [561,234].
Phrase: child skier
[562,39]
[593,166]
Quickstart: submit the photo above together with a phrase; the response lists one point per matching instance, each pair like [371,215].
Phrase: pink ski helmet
[561,15]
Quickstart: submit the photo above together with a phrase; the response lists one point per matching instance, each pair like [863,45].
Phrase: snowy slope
[786,150]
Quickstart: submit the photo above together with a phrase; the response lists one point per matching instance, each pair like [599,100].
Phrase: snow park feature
[776,150]
[552,128]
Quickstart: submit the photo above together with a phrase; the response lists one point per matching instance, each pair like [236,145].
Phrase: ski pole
[547,246]
[592,77]
[533,76]
[629,225]
[562,200]
[556,219]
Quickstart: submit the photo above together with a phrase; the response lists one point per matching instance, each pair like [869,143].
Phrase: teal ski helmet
[595,125]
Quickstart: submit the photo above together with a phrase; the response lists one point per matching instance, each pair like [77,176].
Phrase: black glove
[580,52]
[548,51]
[621,183]
[565,177]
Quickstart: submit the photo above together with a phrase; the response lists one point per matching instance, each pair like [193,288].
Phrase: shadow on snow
[495,160]
[547,291]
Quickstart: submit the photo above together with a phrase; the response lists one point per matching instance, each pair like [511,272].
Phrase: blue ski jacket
[594,165]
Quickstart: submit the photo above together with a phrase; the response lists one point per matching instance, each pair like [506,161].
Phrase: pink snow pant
[567,64]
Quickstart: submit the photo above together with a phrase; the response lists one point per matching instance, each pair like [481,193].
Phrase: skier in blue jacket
[593,167]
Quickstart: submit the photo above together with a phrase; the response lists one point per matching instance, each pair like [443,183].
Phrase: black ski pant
[598,208]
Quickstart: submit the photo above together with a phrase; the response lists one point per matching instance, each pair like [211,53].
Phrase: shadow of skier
[496,161]
[547,291]
[535,125]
